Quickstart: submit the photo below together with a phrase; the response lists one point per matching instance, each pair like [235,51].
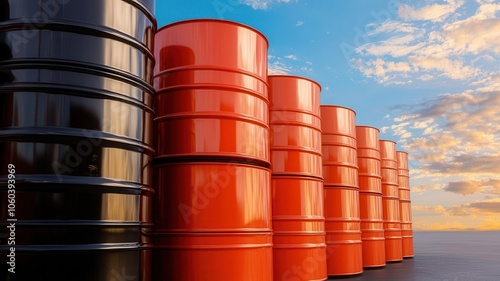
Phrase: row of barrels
[225,173]
[255,179]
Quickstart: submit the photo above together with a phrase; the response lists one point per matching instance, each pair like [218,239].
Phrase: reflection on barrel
[342,205]
[211,91]
[299,228]
[76,99]
[370,196]
[405,204]
[390,200]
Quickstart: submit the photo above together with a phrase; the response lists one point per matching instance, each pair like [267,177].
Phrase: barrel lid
[217,21]
[338,106]
[294,76]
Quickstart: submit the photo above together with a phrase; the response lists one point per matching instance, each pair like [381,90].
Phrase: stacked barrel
[297,184]
[213,208]
[390,201]
[76,102]
[405,204]
[370,196]
[341,187]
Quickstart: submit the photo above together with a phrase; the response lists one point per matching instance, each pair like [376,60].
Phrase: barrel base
[81,265]
[299,263]
[344,259]
[373,254]
[213,256]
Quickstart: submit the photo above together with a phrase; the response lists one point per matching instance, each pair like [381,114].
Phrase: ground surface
[444,256]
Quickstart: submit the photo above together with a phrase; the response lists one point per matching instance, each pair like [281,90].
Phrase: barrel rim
[213,20]
[203,162]
[294,77]
[391,141]
[293,176]
[368,127]
[337,106]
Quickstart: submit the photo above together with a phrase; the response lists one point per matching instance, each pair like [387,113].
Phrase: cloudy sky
[427,73]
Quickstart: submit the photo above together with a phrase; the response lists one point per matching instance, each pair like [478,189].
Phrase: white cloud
[292,57]
[390,26]
[426,77]
[279,67]
[406,117]
[450,68]
[299,23]
[262,4]
[306,69]
[383,71]
[435,41]
[435,12]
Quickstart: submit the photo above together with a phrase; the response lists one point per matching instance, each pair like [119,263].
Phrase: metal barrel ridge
[405,204]
[370,196]
[295,126]
[76,95]
[390,201]
[212,92]
[338,146]
[212,171]
[341,187]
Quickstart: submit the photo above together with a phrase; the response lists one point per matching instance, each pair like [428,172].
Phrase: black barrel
[76,122]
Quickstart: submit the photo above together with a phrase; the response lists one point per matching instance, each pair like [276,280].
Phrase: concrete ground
[444,256]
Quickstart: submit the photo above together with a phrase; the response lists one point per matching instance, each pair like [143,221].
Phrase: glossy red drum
[368,149]
[243,256]
[343,234]
[390,201]
[405,204]
[372,229]
[212,197]
[295,126]
[340,162]
[370,196]
[299,228]
[338,120]
[211,82]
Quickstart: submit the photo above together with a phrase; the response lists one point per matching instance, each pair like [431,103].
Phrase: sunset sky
[427,73]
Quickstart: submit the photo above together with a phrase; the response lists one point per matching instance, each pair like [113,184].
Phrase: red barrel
[295,126]
[340,173]
[390,201]
[343,231]
[299,228]
[298,218]
[338,140]
[370,196]
[405,204]
[212,98]
[213,211]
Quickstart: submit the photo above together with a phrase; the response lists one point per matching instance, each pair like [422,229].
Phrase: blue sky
[427,73]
